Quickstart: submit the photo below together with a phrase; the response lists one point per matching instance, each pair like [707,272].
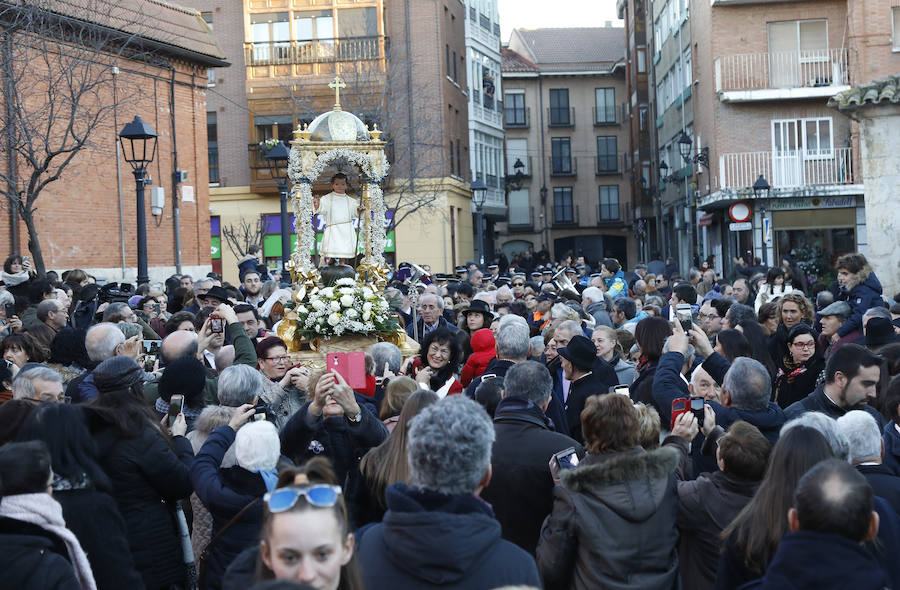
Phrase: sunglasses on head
[318,495]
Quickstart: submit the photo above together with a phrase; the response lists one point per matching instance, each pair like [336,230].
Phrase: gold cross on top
[337,84]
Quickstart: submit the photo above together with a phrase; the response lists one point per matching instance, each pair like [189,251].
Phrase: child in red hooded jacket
[484,349]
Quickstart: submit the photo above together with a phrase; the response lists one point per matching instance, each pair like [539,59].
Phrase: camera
[116,293]
[259,411]
[216,325]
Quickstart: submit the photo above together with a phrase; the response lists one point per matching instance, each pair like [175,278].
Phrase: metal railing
[517,118]
[511,161]
[560,117]
[605,116]
[787,169]
[790,69]
[613,213]
[563,220]
[610,164]
[318,51]
[563,166]
[520,218]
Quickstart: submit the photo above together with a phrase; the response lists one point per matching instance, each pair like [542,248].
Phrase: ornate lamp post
[277,157]
[479,193]
[138,141]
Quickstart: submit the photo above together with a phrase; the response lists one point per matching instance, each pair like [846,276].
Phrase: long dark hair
[316,470]
[759,350]
[386,463]
[126,410]
[759,527]
[25,467]
[73,451]
[650,335]
[733,344]
[441,336]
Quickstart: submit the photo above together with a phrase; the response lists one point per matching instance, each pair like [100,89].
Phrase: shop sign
[812,203]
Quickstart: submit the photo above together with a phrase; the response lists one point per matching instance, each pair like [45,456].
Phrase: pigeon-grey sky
[534,14]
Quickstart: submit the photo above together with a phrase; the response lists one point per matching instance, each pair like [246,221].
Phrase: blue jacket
[799,565]
[430,540]
[891,447]
[616,286]
[225,492]
[861,297]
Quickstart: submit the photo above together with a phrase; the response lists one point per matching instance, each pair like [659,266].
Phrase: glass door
[787,153]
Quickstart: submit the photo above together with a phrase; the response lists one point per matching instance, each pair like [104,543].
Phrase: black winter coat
[706,506]
[94,518]
[305,437]
[642,388]
[430,540]
[613,524]
[32,558]
[891,438]
[598,381]
[521,488]
[148,478]
[884,482]
[225,492]
[817,401]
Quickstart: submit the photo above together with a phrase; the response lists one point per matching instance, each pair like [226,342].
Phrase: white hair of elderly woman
[257,446]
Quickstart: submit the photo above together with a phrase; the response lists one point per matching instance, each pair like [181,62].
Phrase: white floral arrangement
[345,308]
[374,167]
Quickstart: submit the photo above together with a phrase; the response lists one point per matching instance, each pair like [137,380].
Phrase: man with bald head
[182,343]
[103,341]
[430,317]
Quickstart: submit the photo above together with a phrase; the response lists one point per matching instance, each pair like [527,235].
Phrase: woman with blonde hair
[609,349]
[396,393]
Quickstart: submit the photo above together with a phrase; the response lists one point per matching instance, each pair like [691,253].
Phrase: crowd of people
[558,428]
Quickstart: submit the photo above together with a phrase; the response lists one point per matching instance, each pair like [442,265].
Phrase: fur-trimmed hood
[862,278]
[633,483]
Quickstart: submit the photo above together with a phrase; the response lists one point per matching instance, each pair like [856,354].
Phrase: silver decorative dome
[338,126]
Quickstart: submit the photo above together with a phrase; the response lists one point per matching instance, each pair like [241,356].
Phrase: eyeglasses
[804,344]
[278,359]
[318,495]
[518,284]
[708,316]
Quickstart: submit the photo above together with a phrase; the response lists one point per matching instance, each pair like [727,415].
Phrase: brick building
[87,218]
[765,71]
[413,87]
[565,133]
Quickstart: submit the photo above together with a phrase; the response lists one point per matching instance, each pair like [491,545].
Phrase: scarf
[44,511]
[12,280]
[270,478]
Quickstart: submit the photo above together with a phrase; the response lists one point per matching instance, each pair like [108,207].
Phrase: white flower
[346,281]
[327,292]
[321,320]
[367,315]
[335,306]
[301,309]
[334,319]
[352,313]
[318,304]
[367,306]
[346,290]
[347,301]
[367,292]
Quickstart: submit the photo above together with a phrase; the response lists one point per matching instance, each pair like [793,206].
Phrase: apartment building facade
[567,144]
[764,74]
[485,118]
[404,70]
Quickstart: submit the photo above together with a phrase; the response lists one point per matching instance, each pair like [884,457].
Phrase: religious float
[334,307]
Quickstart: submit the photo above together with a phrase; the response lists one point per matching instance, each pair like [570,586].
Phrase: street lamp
[139,148]
[479,193]
[761,190]
[684,148]
[277,157]
[514,182]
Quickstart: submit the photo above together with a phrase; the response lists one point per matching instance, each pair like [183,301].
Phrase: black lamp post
[514,182]
[479,193]
[684,148]
[761,190]
[139,148]
[277,157]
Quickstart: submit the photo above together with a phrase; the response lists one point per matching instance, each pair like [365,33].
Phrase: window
[273,127]
[449,66]
[515,109]
[609,203]
[210,77]
[641,60]
[207,18]
[688,76]
[315,25]
[559,106]
[212,146]
[817,140]
[563,210]
[517,150]
[808,39]
[271,36]
[605,104]
[452,162]
[895,17]
[455,77]
[357,22]
[607,160]
[561,149]
[459,162]
[642,112]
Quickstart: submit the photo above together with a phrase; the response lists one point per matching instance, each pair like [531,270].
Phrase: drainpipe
[175,178]
[543,166]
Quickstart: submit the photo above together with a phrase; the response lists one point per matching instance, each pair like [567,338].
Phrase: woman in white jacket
[772,288]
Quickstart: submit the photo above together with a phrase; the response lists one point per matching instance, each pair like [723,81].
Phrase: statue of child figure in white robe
[337,209]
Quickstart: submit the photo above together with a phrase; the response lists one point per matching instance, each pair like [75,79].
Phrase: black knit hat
[117,373]
[185,376]
[581,352]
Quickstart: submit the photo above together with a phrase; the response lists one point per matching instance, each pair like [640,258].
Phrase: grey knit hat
[117,373]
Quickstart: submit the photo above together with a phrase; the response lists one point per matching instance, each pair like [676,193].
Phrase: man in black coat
[852,374]
[521,488]
[579,357]
[866,454]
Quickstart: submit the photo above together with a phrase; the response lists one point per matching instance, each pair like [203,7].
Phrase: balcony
[486,114]
[605,116]
[275,53]
[781,75]
[613,214]
[610,164]
[563,166]
[561,117]
[517,118]
[791,169]
[511,158]
[564,218]
[521,219]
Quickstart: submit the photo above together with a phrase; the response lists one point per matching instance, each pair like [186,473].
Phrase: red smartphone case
[349,365]
[679,406]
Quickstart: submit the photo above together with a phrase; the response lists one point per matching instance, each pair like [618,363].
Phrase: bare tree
[244,234]
[57,68]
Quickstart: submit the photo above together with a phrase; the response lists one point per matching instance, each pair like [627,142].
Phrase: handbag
[204,555]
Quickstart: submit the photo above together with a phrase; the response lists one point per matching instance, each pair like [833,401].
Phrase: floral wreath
[303,201]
